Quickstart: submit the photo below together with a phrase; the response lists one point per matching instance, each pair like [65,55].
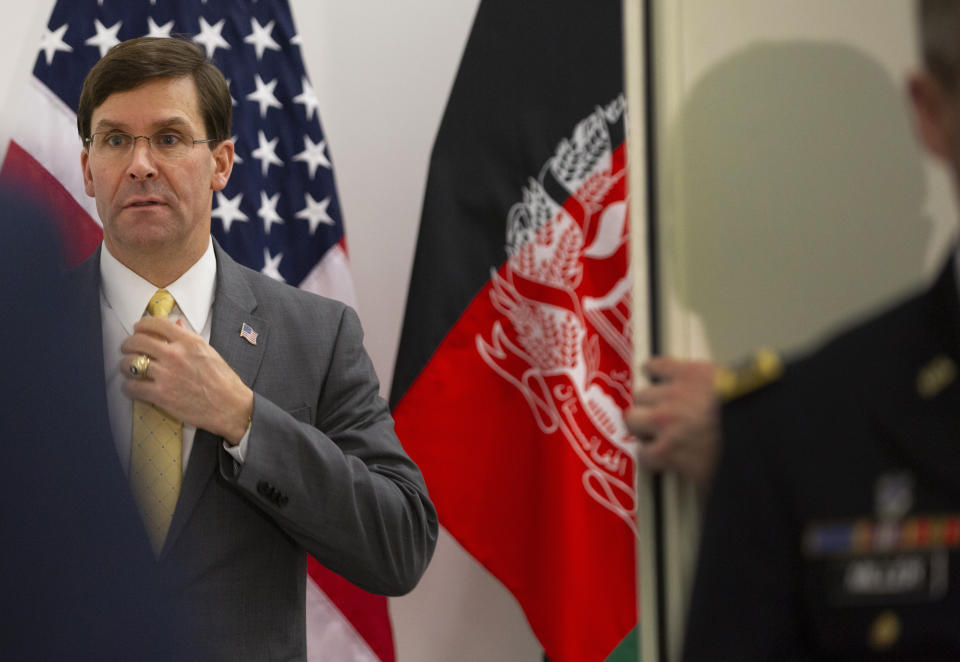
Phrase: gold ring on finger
[138,368]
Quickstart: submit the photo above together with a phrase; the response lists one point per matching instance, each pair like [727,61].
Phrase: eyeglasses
[165,144]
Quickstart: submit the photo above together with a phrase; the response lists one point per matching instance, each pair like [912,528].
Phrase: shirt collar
[127,293]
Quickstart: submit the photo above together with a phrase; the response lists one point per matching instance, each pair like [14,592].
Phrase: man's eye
[116,140]
[167,139]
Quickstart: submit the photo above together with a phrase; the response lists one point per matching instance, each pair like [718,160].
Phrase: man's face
[150,203]
[936,111]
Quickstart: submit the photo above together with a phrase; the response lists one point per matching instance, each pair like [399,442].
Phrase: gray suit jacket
[324,473]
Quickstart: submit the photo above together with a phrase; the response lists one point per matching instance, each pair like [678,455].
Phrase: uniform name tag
[887,579]
[904,574]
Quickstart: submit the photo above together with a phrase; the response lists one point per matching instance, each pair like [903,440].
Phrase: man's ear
[932,116]
[87,175]
[222,165]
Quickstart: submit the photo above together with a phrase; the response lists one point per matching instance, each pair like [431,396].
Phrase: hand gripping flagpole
[668,507]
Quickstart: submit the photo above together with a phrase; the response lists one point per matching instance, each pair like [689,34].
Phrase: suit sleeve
[744,604]
[337,479]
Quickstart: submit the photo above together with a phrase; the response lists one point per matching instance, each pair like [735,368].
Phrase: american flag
[248,334]
[279,213]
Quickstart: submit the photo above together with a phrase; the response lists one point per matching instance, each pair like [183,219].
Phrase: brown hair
[939,23]
[137,61]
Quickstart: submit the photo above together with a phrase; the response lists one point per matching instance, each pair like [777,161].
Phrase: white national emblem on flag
[564,337]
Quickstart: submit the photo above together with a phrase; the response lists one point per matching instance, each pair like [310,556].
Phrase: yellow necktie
[155,453]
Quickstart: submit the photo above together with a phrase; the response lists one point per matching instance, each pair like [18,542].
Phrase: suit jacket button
[264,488]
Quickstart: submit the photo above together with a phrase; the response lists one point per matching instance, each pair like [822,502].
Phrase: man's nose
[142,165]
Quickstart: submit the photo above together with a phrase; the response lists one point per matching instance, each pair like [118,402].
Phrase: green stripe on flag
[628,650]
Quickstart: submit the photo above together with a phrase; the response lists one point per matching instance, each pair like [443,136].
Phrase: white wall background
[382,70]
[852,228]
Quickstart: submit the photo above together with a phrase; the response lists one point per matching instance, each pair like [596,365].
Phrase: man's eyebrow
[170,122]
[108,125]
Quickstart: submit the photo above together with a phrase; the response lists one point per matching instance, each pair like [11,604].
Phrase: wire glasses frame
[167,144]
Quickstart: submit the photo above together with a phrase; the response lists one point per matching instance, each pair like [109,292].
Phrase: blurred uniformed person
[833,525]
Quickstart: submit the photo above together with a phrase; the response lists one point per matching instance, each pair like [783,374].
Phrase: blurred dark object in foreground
[77,579]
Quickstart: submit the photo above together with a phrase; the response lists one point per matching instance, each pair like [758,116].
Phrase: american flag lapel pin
[248,334]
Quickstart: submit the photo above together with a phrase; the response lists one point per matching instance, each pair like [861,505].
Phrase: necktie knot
[161,303]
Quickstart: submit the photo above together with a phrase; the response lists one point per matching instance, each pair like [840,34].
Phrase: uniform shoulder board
[765,367]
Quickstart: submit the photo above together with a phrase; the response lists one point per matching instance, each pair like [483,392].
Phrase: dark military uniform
[833,526]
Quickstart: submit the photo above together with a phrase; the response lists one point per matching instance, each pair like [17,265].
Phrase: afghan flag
[514,362]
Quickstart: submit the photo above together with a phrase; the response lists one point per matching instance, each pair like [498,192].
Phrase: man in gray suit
[246,412]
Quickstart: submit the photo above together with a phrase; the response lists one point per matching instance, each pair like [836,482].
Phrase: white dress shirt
[123,301]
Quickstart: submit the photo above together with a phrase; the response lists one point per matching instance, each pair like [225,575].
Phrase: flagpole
[640,197]
[669,507]
[681,506]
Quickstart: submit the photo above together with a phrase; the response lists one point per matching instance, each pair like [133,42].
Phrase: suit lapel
[921,418]
[233,306]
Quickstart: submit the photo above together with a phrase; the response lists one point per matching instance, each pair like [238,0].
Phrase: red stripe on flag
[365,611]
[24,174]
